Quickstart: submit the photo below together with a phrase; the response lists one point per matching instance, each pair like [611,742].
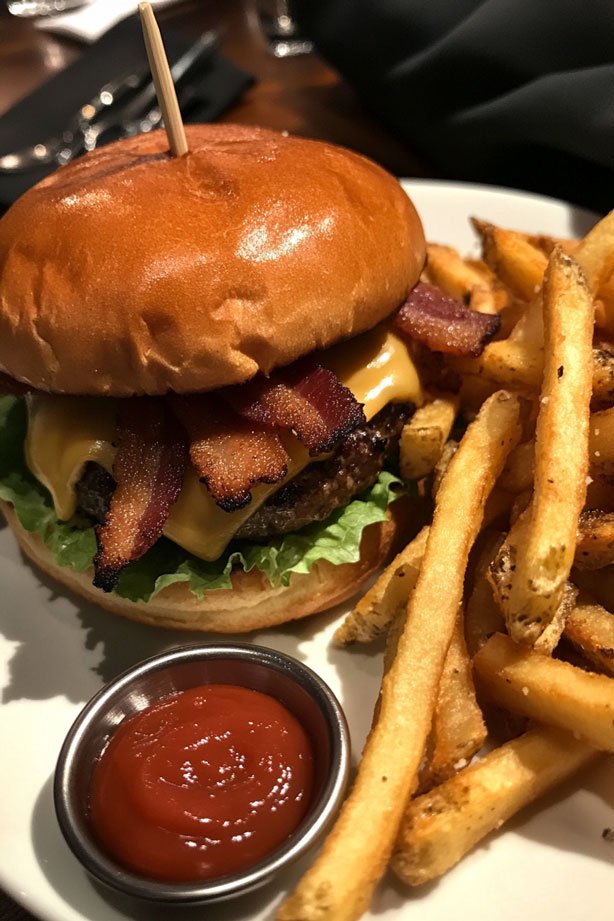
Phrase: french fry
[595,545]
[601,441]
[483,616]
[386,599]
[541,563]
[518,263]
[547,690]
[603,373]
[599,584]
[449,271]
[590,629]
[441,467]
[549,639]
[465,280]
[424,436]
[518,366]
[440,827]
[520,505]
[497,509]
[546,243]
[518,473]
[458,731]
[595,253]
[474,390]
[339,885]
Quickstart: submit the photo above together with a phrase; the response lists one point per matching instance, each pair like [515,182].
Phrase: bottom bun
[252,603]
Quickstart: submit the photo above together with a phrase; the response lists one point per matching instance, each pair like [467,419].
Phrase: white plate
[55,651]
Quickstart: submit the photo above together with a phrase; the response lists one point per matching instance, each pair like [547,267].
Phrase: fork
[127,100]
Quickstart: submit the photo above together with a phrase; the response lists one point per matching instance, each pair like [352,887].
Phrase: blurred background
[510,92]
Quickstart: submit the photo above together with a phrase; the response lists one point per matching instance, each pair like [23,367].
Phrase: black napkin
[217,85]
[515,92]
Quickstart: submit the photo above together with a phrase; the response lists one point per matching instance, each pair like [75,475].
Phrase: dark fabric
[516,92]
[48,109]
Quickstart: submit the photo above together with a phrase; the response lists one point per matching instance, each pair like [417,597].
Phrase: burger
[206,373]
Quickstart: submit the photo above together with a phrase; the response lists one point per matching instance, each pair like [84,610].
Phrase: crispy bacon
[443,323]
[306,398]
[149,468]
[229,454]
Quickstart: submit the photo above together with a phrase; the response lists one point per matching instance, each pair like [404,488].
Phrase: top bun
[133,272]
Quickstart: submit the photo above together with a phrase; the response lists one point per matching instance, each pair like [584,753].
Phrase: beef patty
[310,496]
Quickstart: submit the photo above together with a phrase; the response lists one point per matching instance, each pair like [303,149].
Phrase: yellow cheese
[66,432]
[63,434]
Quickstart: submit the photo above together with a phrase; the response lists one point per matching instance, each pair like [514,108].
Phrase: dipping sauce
[205,783]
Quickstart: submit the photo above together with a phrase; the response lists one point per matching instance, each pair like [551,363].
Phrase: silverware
[141,113]
[121,106]
[109,96]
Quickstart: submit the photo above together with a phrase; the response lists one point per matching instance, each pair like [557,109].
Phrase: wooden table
[301,95]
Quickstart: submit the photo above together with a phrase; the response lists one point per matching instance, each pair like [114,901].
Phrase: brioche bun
[133,272]
[252,603]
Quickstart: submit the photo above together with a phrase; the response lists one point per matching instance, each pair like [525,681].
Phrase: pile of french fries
[499,666]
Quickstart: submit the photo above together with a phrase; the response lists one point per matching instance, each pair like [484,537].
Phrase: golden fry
[595,253]
[601,441]
[599,584]
[386,599]
[590,628]
[595,546]
[339,885]
[548,690]
[483,616]
[449,271]
[541,563]
[424,436]
[518,263]
[549,639]
[458,731]
[439,828]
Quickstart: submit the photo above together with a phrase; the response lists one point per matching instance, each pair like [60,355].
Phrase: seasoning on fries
[532,480]
[441,826]
[541,561]
[339,885]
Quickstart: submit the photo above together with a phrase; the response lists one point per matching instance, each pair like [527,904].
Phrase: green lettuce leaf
[73,544]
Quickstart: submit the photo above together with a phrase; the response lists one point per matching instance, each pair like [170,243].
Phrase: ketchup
[204,783]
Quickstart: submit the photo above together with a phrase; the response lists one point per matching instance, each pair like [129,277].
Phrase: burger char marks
[315,493]
[228,454]
[311,496]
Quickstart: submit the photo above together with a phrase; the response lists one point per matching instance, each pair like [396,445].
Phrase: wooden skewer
[163,82]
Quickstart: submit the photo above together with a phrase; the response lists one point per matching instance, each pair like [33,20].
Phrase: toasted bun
[133,272]
[252,604]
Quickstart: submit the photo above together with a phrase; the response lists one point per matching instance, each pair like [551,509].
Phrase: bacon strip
[149,468]
[306,398]
[228,453]
[443,323]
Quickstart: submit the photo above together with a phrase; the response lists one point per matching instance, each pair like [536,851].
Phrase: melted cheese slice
[64,433]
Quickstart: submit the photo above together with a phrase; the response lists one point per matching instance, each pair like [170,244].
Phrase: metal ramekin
[255,667]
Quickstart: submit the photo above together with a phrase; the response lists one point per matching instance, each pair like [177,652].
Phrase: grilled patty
[312,495]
